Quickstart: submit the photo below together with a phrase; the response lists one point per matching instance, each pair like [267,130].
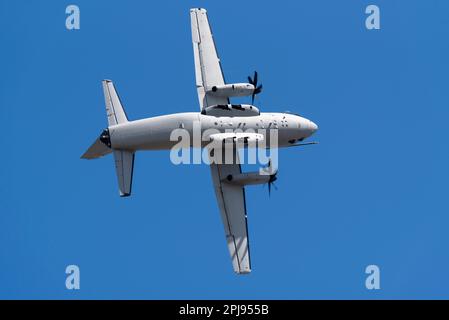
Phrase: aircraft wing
[208,72]
[231,201]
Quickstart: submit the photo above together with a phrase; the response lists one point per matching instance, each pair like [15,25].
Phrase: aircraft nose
[313,126]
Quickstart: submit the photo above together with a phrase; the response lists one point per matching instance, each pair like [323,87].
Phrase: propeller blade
[271,183]
[257,89]
[273,178]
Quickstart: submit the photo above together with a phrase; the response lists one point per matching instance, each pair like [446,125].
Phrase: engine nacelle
[248,178]
[232,90]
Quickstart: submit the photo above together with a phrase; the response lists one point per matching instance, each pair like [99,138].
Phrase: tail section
[114,109]
[124,160]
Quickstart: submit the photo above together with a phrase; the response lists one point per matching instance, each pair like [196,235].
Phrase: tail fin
[114,109]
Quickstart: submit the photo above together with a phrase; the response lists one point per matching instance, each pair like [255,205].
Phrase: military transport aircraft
[124,138]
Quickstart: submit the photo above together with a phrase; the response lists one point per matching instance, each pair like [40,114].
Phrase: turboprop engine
[237,89]
[232,90]
[250,178]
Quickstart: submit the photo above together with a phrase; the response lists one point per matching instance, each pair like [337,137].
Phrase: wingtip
[125,195]
[243,272]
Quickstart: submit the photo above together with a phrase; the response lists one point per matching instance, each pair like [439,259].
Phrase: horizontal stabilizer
[114,109]
[96,150]
[124,165]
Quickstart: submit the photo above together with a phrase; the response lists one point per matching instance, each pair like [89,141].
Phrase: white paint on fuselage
[154,133]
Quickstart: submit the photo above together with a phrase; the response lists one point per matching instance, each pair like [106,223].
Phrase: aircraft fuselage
[156,133]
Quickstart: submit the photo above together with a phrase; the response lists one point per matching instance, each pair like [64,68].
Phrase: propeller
[257,89]
[273,178]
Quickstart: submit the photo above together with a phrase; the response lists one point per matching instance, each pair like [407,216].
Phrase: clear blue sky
[374,191]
